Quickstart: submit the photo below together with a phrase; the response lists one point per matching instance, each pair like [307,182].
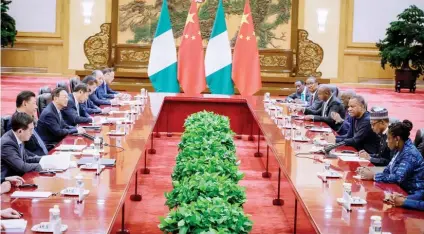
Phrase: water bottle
[55,223]
[374,218]
[377,227]
[120,127]
[143,92]
[347,195]
[96,157]
[97,144]
[80,187]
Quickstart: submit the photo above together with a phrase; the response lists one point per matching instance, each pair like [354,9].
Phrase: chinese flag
[246,68]
[191,65]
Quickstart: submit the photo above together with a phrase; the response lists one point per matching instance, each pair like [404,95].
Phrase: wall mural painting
[138,20]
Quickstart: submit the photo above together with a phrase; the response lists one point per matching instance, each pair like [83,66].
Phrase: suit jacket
[314,102]
[98,101]
[51,128]
[101,92]
[360,135]
[297,95]
[13,162]
[70,113]
[384,154]
[32,145]
[344,128]
[109,90]
[90,107]
[406,169]
[334,105]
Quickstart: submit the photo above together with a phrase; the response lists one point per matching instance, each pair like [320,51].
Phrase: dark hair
[300,81]
[23,96]
[401,129]
[21,120]
[360,99]
[106,70]
[314,79]
[56,92]
[81,87]
[90,80]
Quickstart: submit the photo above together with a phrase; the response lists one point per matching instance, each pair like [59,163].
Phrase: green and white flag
[218,57]
[162,69]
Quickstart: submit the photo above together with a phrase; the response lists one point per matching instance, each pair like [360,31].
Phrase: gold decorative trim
[134,56]
[97,48]
[273,60]
[309,56]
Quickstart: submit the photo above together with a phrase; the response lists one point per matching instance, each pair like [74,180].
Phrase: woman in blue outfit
[406,167]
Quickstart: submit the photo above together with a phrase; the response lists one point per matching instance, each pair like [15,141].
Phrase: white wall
[79,32]
[371,18]
[34,16]
[326,35]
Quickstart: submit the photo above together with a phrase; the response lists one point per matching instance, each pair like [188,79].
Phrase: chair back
[42,101]
[45,89]
[74,81]
[4,121]
[63,84]
[419,140]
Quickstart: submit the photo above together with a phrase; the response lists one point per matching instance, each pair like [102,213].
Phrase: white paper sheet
[352,159]
[56,162]
[14,225]
[71,147]
[22,194]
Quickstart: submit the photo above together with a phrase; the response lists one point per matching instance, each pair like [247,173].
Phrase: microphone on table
[90,137]
[329,148]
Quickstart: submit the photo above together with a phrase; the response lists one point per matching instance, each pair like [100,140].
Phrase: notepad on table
[56,162]
[25,194]
[315,129]
[352,159]
[14,225]
[64,147]
[103,161]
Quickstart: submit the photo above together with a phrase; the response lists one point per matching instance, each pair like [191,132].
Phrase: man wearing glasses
[379,118]
[51,126]
[314,102]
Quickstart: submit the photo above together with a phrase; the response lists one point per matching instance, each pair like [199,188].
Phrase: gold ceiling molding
[97,48]
[309,56]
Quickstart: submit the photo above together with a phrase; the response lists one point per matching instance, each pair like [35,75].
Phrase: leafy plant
[404,42]
[205,185]
[206,215]
[198,166]
[8,26]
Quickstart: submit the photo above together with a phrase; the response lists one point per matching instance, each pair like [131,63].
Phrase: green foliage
[207,215]
[404,42]
[206,197]
[189,189]
[8,25]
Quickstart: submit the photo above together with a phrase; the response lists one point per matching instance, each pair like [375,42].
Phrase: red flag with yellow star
[246,68]
[191,66]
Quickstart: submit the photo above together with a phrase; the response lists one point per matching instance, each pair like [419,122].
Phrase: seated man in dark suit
[51,126]
[74,113]
[360,134]
[379,118]
[101,90]
[96,96]
[26,103]
[15,160]
[314,102]
[109,76]
[89,105]
[301,93]
[345,122]
[331,104]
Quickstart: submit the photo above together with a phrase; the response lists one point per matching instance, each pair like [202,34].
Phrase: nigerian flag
[218,57]
[162,69]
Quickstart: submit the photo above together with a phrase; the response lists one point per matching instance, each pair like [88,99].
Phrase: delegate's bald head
[346,96]
[324,92]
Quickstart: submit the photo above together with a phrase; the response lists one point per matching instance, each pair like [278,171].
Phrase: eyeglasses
[374,123]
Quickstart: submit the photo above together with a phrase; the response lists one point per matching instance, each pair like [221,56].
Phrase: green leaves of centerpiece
[206,197]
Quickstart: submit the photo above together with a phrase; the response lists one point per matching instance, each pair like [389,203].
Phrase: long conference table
[310,204]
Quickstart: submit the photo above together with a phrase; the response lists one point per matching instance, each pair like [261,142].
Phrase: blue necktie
[40,143]
[21,149]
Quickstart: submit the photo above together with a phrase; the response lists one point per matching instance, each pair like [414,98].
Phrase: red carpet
[142,217]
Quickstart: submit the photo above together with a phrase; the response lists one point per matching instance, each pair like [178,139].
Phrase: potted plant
[8,26]
[403,47]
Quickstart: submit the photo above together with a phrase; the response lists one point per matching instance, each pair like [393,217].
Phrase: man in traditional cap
[379,119]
